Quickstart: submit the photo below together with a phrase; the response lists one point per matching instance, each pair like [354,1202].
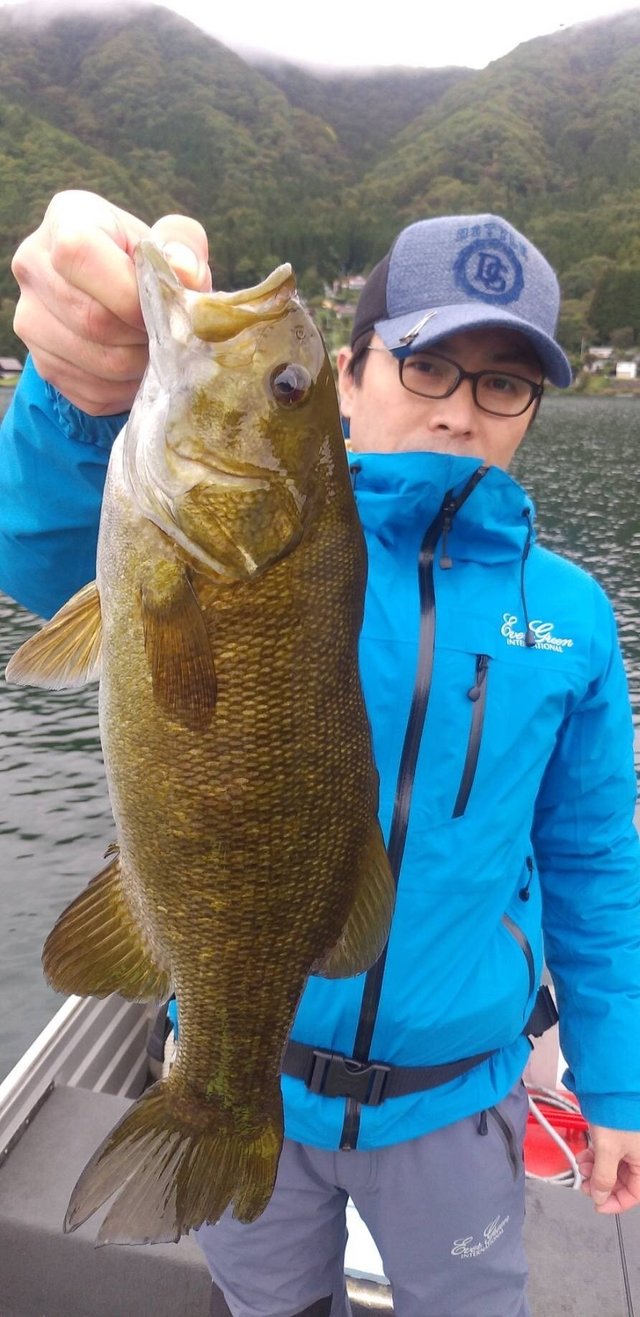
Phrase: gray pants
[446,1212]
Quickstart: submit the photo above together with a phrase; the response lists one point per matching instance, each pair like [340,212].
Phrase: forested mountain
[280,163]
[178,110]
[548,136]
[366,110]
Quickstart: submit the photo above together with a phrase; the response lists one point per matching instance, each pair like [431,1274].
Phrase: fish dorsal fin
[177,646]
[367,927]
[66,653]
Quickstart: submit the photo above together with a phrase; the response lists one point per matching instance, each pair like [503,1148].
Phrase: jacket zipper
[477,693]
[397,837]
[406,774]
[509,1138]
[525,947]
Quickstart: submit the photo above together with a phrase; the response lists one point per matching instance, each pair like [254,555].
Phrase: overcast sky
[346,34]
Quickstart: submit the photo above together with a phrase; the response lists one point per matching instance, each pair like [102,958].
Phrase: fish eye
[290,383]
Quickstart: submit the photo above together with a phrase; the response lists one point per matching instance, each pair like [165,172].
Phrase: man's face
[384,417]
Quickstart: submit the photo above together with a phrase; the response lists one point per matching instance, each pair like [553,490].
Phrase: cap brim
[441,321]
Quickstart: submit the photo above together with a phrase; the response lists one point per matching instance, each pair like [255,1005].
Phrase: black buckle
[335,1075]
[544,1014]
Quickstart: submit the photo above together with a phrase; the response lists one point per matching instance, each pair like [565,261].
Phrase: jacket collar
[400,494]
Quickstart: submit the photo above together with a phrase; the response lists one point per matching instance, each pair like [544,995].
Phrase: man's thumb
[184,243]
[603,1177]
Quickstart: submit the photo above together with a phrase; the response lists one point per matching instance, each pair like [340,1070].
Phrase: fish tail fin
[174,1167]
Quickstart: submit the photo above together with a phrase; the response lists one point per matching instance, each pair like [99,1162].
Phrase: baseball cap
[461,272]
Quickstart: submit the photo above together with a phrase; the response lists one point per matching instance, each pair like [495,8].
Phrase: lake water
[580,463]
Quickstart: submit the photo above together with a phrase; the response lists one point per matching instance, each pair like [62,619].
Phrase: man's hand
[79,312]
[611,1169]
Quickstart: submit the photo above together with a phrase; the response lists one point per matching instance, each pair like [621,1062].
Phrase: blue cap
[442,276]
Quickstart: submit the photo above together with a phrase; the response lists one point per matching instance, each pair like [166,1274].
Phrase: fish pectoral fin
[172,1173]
[66,652]
[177,647]
[367,928]
[96,946]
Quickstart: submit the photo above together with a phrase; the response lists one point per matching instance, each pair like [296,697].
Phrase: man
[502,735]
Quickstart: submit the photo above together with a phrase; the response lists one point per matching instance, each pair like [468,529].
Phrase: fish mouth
[170,308]
[211,317]
[216,317]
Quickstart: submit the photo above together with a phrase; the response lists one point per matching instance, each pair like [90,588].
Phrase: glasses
[496,392]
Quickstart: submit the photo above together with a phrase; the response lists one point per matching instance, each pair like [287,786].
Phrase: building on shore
[9,366]
[626,370]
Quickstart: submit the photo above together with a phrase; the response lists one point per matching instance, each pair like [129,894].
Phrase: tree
[616,302]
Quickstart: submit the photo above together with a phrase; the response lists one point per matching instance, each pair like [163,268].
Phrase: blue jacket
[521,794]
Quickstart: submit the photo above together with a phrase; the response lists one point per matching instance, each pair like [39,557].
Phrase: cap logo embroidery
[490,270]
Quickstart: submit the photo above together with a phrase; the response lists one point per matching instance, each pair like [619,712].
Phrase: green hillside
[366,110]
[189,117]
[547,136]
[280,163]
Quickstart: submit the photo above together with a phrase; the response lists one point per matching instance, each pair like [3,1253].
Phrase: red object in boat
[541,1155]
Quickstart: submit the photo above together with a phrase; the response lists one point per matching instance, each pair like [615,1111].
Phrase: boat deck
[74,1084]
[577,1266]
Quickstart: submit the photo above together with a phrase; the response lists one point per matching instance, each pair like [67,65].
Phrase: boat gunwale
[76,1048]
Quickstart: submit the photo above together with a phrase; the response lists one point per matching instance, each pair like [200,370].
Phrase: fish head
[236,421]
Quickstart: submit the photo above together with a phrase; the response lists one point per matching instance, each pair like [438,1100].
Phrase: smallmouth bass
[223,627]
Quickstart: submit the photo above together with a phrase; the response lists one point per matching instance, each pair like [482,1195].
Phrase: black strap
[371,1082]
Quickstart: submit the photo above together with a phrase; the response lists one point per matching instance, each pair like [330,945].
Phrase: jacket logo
[465,1248]
[543,632]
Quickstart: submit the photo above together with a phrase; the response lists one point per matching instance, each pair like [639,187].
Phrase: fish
[223,628]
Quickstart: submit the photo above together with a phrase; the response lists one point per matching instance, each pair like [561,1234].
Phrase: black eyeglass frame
[536,390]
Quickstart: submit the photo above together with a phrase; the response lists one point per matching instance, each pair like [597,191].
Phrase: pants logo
[465,1248]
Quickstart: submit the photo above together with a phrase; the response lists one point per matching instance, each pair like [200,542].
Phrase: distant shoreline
[580,390]
[596,387]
